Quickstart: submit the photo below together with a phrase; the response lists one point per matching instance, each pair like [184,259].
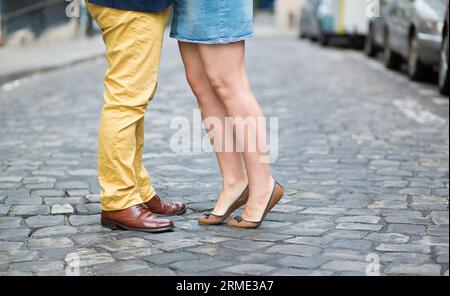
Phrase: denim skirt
[212,21]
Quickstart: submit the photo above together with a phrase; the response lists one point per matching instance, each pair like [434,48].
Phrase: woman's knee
[199,83]
[223,85]
[228,85]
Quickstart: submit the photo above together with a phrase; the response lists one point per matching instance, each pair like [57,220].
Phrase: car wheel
[415,67]
[301,34]
[324,40]
[391,59]
[369,44]
[443,67]
[358,42]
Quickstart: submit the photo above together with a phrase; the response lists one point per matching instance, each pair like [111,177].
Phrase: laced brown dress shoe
[137,218]
[158,206]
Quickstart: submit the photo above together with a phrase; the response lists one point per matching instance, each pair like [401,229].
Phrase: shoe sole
[117,226]
[266,212]
[181,212]
[175,214]
[224,217]
[211,224]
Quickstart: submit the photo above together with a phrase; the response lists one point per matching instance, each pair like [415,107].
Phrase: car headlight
[432,27]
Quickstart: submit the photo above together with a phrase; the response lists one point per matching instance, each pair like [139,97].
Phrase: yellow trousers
[133,50]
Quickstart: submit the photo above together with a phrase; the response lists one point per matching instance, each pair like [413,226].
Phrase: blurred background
[413,32]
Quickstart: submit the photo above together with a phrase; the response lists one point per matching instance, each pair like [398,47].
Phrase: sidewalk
[17,62]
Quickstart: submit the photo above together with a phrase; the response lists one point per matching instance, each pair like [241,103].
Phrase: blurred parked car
[375,33]
[413,32]
[309,22]
[443,65]
[323,20]
[343,19]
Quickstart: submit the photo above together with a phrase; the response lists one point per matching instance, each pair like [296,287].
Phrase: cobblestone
[256,269]
[388,237]
[361,178]
[45,243]
[59,209]
[413,269]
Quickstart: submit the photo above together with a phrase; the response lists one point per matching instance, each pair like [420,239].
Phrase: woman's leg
[225,68]
[231,164]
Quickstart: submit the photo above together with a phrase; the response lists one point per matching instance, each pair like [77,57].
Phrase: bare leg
[225,68]
[231,164]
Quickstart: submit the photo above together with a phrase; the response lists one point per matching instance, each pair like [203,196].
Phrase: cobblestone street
[363,156]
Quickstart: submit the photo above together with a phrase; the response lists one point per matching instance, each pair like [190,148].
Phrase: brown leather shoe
[158,206]
[137,218]
[239,222]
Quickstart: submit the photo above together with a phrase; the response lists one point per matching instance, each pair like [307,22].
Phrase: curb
[14,75]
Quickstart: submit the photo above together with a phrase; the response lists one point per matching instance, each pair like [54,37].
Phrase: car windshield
[438,5]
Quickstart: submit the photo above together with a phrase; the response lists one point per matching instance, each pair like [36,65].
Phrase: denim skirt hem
[212,41]
[212,21]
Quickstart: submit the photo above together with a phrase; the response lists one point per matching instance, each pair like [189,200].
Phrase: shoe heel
[109,225]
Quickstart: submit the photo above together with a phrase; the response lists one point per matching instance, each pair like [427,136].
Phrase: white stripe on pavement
[416,112]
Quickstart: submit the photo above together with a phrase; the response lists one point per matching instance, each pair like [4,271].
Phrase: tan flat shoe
[239,222]
[212,219]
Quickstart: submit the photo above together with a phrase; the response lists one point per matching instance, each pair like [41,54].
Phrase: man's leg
[146,189]
[153,202]
[133,48]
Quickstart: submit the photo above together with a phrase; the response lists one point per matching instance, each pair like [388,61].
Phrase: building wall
[25,20]
[287,14]
[33,15]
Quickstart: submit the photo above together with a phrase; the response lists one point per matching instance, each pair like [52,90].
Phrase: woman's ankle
[263,191]
[235,185]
